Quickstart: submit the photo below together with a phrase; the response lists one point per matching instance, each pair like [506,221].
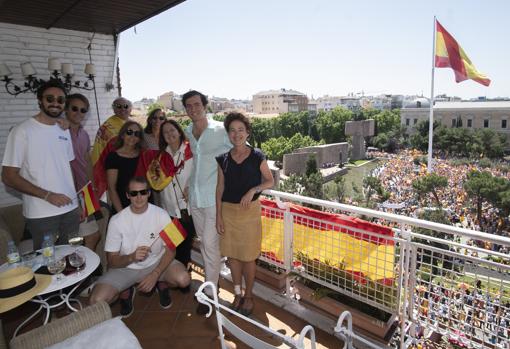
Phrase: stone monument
[359,130]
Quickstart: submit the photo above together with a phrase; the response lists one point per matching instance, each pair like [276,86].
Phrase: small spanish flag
[88,200]
[173,234]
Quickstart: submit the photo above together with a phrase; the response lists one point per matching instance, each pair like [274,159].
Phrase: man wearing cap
[136,253]
[105,138]
[37,163]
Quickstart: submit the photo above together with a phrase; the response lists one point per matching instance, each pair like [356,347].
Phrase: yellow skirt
[243,231]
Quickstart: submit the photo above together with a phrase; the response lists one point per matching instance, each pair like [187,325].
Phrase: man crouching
[136,254]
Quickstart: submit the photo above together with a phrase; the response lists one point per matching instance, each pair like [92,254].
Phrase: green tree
[289,124]
[372,186]
[260,131]
[479,187]
[336,190]
[311,166]
[153,106]
[387,121]
[275,148]
[331,124]
[430,183]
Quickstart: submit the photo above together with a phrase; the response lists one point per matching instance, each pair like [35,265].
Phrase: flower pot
[361,321]
[271,279]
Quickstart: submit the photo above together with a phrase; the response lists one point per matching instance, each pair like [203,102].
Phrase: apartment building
[279,101]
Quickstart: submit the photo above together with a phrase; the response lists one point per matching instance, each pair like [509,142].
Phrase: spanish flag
[365,250]
[449,54]
[88,200]
[173,234]
[104,145]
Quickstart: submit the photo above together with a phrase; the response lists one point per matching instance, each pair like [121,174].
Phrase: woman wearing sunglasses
[121,164]
[151,131]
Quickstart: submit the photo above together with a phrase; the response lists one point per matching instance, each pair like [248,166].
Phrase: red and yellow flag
[88,200]
[449,54]
[104,145]
[173,234]
[364,249]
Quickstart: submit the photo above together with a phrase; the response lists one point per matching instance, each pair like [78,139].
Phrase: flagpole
[431,107]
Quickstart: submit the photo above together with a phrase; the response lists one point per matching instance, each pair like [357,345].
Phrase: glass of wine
[74,239]
[77,259]
[56,266]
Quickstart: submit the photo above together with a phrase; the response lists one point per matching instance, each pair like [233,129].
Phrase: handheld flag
[88,200]
[173,234]
[449,54]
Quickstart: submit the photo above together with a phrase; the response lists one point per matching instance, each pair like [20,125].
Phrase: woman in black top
[121,164]
[242,175]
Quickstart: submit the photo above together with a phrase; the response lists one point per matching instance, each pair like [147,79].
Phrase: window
[415,121]
[503,123]
[486,123]
[454,122]
[407,122]
[470,123]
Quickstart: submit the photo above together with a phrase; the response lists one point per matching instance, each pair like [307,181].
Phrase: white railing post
[405,254]
[288,238]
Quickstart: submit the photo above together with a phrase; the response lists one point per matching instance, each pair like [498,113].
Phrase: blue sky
[236,48]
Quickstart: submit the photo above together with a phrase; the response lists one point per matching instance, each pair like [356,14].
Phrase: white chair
[245,337]
[347,334]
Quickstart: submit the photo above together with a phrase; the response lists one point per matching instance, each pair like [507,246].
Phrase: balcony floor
[180,327]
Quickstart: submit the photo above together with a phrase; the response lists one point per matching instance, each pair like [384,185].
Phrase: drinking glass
[74,239]
[56,266]
[77,259]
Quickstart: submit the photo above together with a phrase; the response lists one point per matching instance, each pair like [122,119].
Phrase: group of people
[207,176]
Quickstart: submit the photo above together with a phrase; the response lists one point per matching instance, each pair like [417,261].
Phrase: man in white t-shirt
[136,254]
[37,163]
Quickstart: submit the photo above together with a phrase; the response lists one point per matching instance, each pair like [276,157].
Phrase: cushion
[109,334]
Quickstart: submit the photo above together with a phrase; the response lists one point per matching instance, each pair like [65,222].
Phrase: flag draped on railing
[364,249]
[449,54]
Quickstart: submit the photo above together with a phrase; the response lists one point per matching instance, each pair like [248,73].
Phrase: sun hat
[19,285]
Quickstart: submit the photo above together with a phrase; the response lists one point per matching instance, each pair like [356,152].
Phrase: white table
[44,297]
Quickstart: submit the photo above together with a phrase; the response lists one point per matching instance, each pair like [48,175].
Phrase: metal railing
[439,280]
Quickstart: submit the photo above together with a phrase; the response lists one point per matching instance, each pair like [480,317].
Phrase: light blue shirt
[213,142]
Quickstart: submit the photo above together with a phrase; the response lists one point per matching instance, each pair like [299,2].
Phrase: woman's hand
[247,198]
[219,225]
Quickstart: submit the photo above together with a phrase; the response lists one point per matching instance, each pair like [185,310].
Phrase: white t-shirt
[172,198]
[128,230]
[43,154]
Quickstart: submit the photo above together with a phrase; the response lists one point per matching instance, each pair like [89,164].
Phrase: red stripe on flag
[454,58]
[166,239]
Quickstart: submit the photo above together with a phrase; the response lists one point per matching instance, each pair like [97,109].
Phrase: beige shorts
[88,227]
[123,278]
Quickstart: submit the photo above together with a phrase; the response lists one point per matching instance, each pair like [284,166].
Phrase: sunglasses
[82,110]
[51,99]
[142,192]
[120,106]
[131,132]
[162,118]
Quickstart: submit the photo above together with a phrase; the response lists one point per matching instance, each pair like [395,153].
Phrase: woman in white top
[174,197]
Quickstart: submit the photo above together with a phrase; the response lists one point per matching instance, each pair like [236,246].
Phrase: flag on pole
[88,200]
[449,54]
[173,234]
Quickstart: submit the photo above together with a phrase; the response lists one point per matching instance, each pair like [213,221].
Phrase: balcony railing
[439,280]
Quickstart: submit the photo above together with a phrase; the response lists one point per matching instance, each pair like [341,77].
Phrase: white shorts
[88,227]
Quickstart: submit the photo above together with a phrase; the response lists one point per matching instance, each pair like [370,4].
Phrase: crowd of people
[205,179]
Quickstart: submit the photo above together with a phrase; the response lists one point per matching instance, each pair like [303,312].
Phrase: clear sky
[236,48]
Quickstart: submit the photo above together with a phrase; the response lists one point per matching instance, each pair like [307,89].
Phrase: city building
[279,101]
[473,115]
[327,103]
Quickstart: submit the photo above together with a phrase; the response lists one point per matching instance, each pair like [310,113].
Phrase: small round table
[44,297]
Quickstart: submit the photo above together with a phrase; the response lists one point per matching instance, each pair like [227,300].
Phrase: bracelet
[47,195]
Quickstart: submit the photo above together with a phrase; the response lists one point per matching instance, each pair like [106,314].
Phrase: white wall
[20,44]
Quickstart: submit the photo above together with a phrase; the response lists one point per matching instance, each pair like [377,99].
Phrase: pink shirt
[81,147]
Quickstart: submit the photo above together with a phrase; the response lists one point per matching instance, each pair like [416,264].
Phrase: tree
[430,183]
[372,185]
[387,121]
[331,124]
[275,148]
[336,190]
[153,106]
[260,131]
[478,186]
[311,166]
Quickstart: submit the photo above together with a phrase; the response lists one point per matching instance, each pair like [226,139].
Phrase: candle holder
[62,72]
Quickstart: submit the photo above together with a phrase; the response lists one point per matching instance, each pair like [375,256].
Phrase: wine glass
[74,239]
[56,266]
[77,259]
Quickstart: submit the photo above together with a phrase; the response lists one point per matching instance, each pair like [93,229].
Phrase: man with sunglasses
[136,254]
[37,163]
[77,106]
[105,138]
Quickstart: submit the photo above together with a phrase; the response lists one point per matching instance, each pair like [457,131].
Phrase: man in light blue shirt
[208,139]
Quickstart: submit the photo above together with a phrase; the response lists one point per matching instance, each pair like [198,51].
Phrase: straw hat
[19,285]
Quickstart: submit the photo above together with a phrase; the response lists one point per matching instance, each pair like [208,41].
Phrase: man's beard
[53,114]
